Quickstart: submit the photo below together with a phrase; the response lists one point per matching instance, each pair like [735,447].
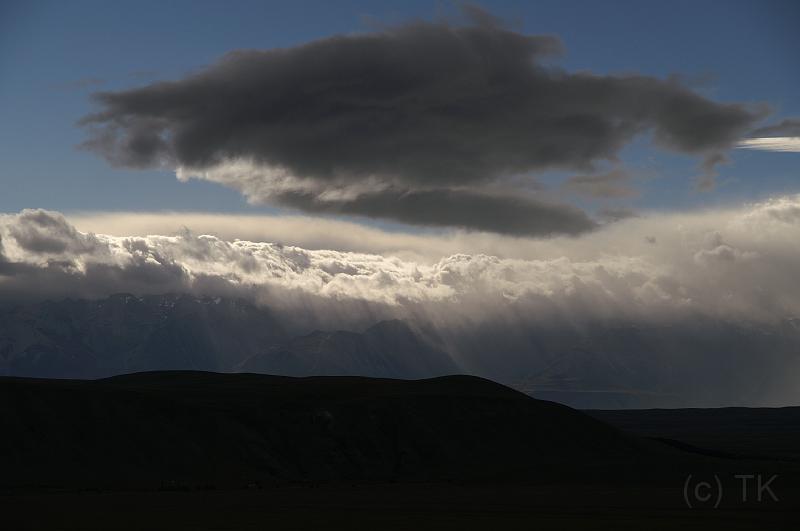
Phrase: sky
[54,55]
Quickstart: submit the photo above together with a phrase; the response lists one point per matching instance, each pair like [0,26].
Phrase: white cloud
[749,254]
[787,144]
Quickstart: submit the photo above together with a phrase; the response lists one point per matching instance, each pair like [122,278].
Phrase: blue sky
[54,54]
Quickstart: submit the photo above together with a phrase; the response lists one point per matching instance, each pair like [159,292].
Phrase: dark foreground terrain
[733,432]
[193,450]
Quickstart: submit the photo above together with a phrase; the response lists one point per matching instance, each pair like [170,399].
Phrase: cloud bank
[420,123]
[738,264]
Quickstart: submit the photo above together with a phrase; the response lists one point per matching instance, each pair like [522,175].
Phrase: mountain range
[124,334]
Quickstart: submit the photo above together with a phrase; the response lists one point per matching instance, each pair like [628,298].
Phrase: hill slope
[151,428]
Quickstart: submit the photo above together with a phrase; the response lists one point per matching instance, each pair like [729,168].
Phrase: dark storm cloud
[518,216]
[789,127]
[419,106]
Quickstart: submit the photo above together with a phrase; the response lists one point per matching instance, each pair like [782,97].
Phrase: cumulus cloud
[46,233]
[410,123]
[738,263]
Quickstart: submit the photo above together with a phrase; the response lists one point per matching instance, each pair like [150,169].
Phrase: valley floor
[390,507]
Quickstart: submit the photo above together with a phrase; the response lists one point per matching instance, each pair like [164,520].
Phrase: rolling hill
[197,427]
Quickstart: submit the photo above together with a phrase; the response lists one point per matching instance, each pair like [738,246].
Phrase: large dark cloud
[518,216]
[415,107]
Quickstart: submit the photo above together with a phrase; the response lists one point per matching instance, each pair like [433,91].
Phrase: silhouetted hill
[151,428]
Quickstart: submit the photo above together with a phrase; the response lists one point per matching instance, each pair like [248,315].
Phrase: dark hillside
[207,427]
